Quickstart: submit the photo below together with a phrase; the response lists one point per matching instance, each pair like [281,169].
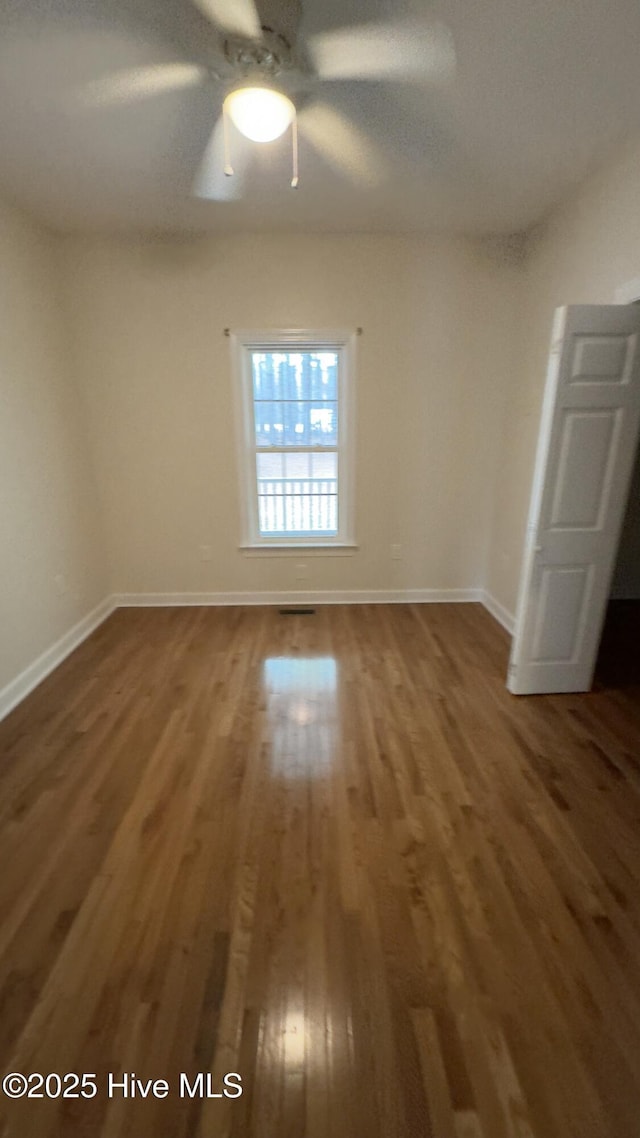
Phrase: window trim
[242,343]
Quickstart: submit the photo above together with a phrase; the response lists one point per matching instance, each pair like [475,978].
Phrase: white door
[586,450]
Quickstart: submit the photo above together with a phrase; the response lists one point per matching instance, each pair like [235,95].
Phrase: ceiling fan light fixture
[262,114]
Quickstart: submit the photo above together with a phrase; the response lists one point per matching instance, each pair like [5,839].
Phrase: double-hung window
[295,436]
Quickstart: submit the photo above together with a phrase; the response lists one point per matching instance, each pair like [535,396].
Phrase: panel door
[586,450]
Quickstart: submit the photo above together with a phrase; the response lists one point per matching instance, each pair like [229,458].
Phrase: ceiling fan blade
[406,50]
[342,144]
[139,83]
[211,181]
[235,17]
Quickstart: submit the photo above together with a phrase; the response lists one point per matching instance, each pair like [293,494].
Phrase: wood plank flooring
[332,854]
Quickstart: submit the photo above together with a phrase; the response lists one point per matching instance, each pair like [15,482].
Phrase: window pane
[296,424]
[295,465]
[324,465]
[297,493]
[295,375]
[271,465]
[288,464]
[298,515]
[269,418]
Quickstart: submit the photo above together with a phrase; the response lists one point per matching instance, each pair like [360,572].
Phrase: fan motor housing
[270,55]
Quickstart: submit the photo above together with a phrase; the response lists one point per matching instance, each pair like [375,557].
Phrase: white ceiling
[542,90]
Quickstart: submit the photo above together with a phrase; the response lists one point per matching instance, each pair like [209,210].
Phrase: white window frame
[243,343]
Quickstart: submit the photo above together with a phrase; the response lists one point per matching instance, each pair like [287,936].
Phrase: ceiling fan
[268,82]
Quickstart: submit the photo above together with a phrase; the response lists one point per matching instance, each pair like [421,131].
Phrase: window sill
[288,549]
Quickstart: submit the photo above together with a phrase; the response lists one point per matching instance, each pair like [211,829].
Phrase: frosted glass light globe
[260,113]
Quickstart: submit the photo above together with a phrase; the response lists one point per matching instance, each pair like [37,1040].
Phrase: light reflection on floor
[294,1041]
[301,696]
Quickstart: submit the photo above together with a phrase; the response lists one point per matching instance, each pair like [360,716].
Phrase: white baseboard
[502,615]
[35,673]
[329,597]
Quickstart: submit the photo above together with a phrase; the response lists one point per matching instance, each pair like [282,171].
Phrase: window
[295,409]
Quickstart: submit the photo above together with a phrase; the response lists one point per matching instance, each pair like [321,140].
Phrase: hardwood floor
[330,853]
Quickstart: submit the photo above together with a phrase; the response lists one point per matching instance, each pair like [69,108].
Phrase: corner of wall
[52,569]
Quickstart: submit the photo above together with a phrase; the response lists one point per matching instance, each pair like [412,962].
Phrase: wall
[433,361]
[586,250]
[48,502]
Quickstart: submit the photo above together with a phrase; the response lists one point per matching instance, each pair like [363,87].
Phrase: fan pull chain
[294,140]
[228,168]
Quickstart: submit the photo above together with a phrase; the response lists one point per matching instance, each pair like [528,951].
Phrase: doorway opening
[618,663]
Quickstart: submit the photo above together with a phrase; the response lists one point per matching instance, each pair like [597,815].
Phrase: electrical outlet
[302,572]
[396,552]
[205,553]
[60,583]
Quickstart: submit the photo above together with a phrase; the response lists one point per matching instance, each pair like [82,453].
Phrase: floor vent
[297,612]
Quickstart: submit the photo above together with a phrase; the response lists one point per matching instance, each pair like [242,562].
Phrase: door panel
[563,595]
[601,359]
[586,449]
[583,477]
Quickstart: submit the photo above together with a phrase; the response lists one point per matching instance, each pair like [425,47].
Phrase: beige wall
[589,247]
[48,519]
[433,362]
